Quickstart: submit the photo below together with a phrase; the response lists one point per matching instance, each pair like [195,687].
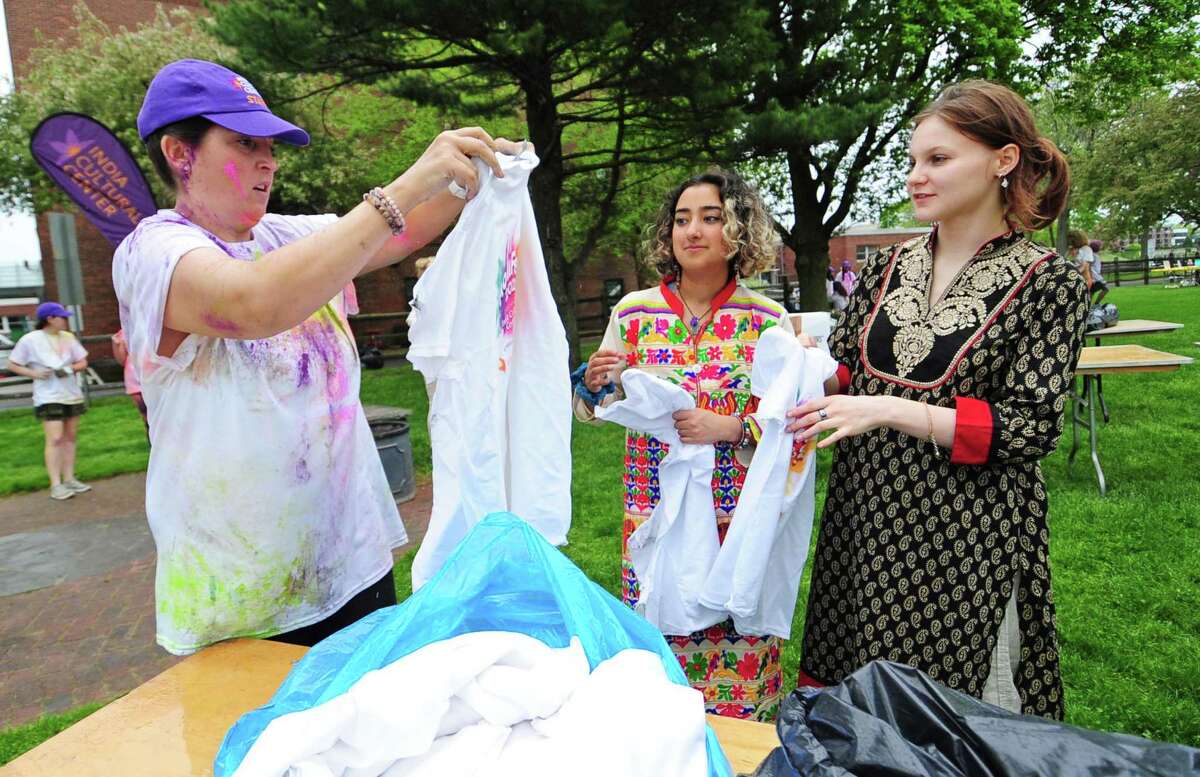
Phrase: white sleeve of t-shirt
[23,353]
[144,265]
[77,350]
[142,270]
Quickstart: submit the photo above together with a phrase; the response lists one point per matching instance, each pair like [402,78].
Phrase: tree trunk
[810,240]
[809,237]
[1145,246]
[546,186]
[1064,226]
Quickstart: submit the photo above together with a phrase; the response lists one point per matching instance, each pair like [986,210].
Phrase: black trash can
[389,427]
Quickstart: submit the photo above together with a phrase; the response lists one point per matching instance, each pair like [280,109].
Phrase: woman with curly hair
[698,329]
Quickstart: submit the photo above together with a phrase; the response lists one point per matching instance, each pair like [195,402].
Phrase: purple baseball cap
[47,309]
[193,87]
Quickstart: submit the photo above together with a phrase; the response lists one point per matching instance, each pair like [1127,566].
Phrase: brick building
[26,19]
[861,240]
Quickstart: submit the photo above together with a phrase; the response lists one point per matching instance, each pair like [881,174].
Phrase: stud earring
[1003,182]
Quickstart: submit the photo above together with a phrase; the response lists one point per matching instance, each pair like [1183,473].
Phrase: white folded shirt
[494,703]
[756,575]
[674,549]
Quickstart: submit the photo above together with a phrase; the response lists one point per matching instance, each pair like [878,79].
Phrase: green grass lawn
[1126,567]
[112,441]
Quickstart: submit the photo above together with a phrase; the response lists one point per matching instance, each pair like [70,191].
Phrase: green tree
[359,136]
[104,76]
[603,85]
[1099,91]
[1145,166]
[849,78]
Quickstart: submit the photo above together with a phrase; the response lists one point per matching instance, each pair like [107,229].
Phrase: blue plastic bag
[502,577]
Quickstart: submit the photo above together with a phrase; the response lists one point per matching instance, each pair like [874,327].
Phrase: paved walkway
[77,596]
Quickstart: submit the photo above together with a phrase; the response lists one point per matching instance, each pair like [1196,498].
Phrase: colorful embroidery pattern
[740,676]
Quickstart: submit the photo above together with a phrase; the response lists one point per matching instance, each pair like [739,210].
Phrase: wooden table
[1097,361]
[173,724]
[1135,326]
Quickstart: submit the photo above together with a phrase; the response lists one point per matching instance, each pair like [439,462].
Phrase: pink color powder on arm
[222,325]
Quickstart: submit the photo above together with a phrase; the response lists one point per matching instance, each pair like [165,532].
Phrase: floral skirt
[740,675]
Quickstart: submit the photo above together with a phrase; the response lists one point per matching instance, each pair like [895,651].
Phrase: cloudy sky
[18,233]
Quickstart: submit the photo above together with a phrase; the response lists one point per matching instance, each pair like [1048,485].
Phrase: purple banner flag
[96,170]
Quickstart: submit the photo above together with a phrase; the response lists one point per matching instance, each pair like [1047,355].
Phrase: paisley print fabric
[917,554]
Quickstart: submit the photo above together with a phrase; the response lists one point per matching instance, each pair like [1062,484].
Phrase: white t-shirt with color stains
[41,350]
[265,494]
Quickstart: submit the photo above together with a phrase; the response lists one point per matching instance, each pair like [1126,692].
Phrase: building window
[614,289]
[863,251]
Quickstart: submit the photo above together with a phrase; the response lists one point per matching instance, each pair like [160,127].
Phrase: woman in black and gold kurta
[957,350]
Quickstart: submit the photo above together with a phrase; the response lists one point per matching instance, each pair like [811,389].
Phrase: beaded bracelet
[387,208]
[747,435]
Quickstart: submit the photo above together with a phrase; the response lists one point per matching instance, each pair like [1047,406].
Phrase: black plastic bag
[891,720]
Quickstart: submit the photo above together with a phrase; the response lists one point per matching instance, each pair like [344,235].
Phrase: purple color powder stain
[302,473]
[184,214]
[185,170]
[219,324]
[304,376]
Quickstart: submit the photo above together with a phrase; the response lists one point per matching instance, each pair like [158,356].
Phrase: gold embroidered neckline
[963,304]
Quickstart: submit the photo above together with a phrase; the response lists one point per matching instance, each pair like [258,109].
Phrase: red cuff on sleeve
[843,378]
[972,431]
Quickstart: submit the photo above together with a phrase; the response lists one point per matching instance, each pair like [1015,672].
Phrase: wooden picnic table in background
[1095,362]
[1134,326]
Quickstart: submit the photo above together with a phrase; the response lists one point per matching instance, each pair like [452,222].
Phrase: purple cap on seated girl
[193,87]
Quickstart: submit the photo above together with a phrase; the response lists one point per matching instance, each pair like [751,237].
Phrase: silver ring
[822,414]
[457,190]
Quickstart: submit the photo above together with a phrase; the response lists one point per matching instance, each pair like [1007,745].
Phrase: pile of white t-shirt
[497,704]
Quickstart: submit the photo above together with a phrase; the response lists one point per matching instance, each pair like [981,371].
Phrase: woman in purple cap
[847,277]
[269,507]
[52,356]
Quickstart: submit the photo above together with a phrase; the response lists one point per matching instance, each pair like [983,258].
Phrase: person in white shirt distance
[58,400]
